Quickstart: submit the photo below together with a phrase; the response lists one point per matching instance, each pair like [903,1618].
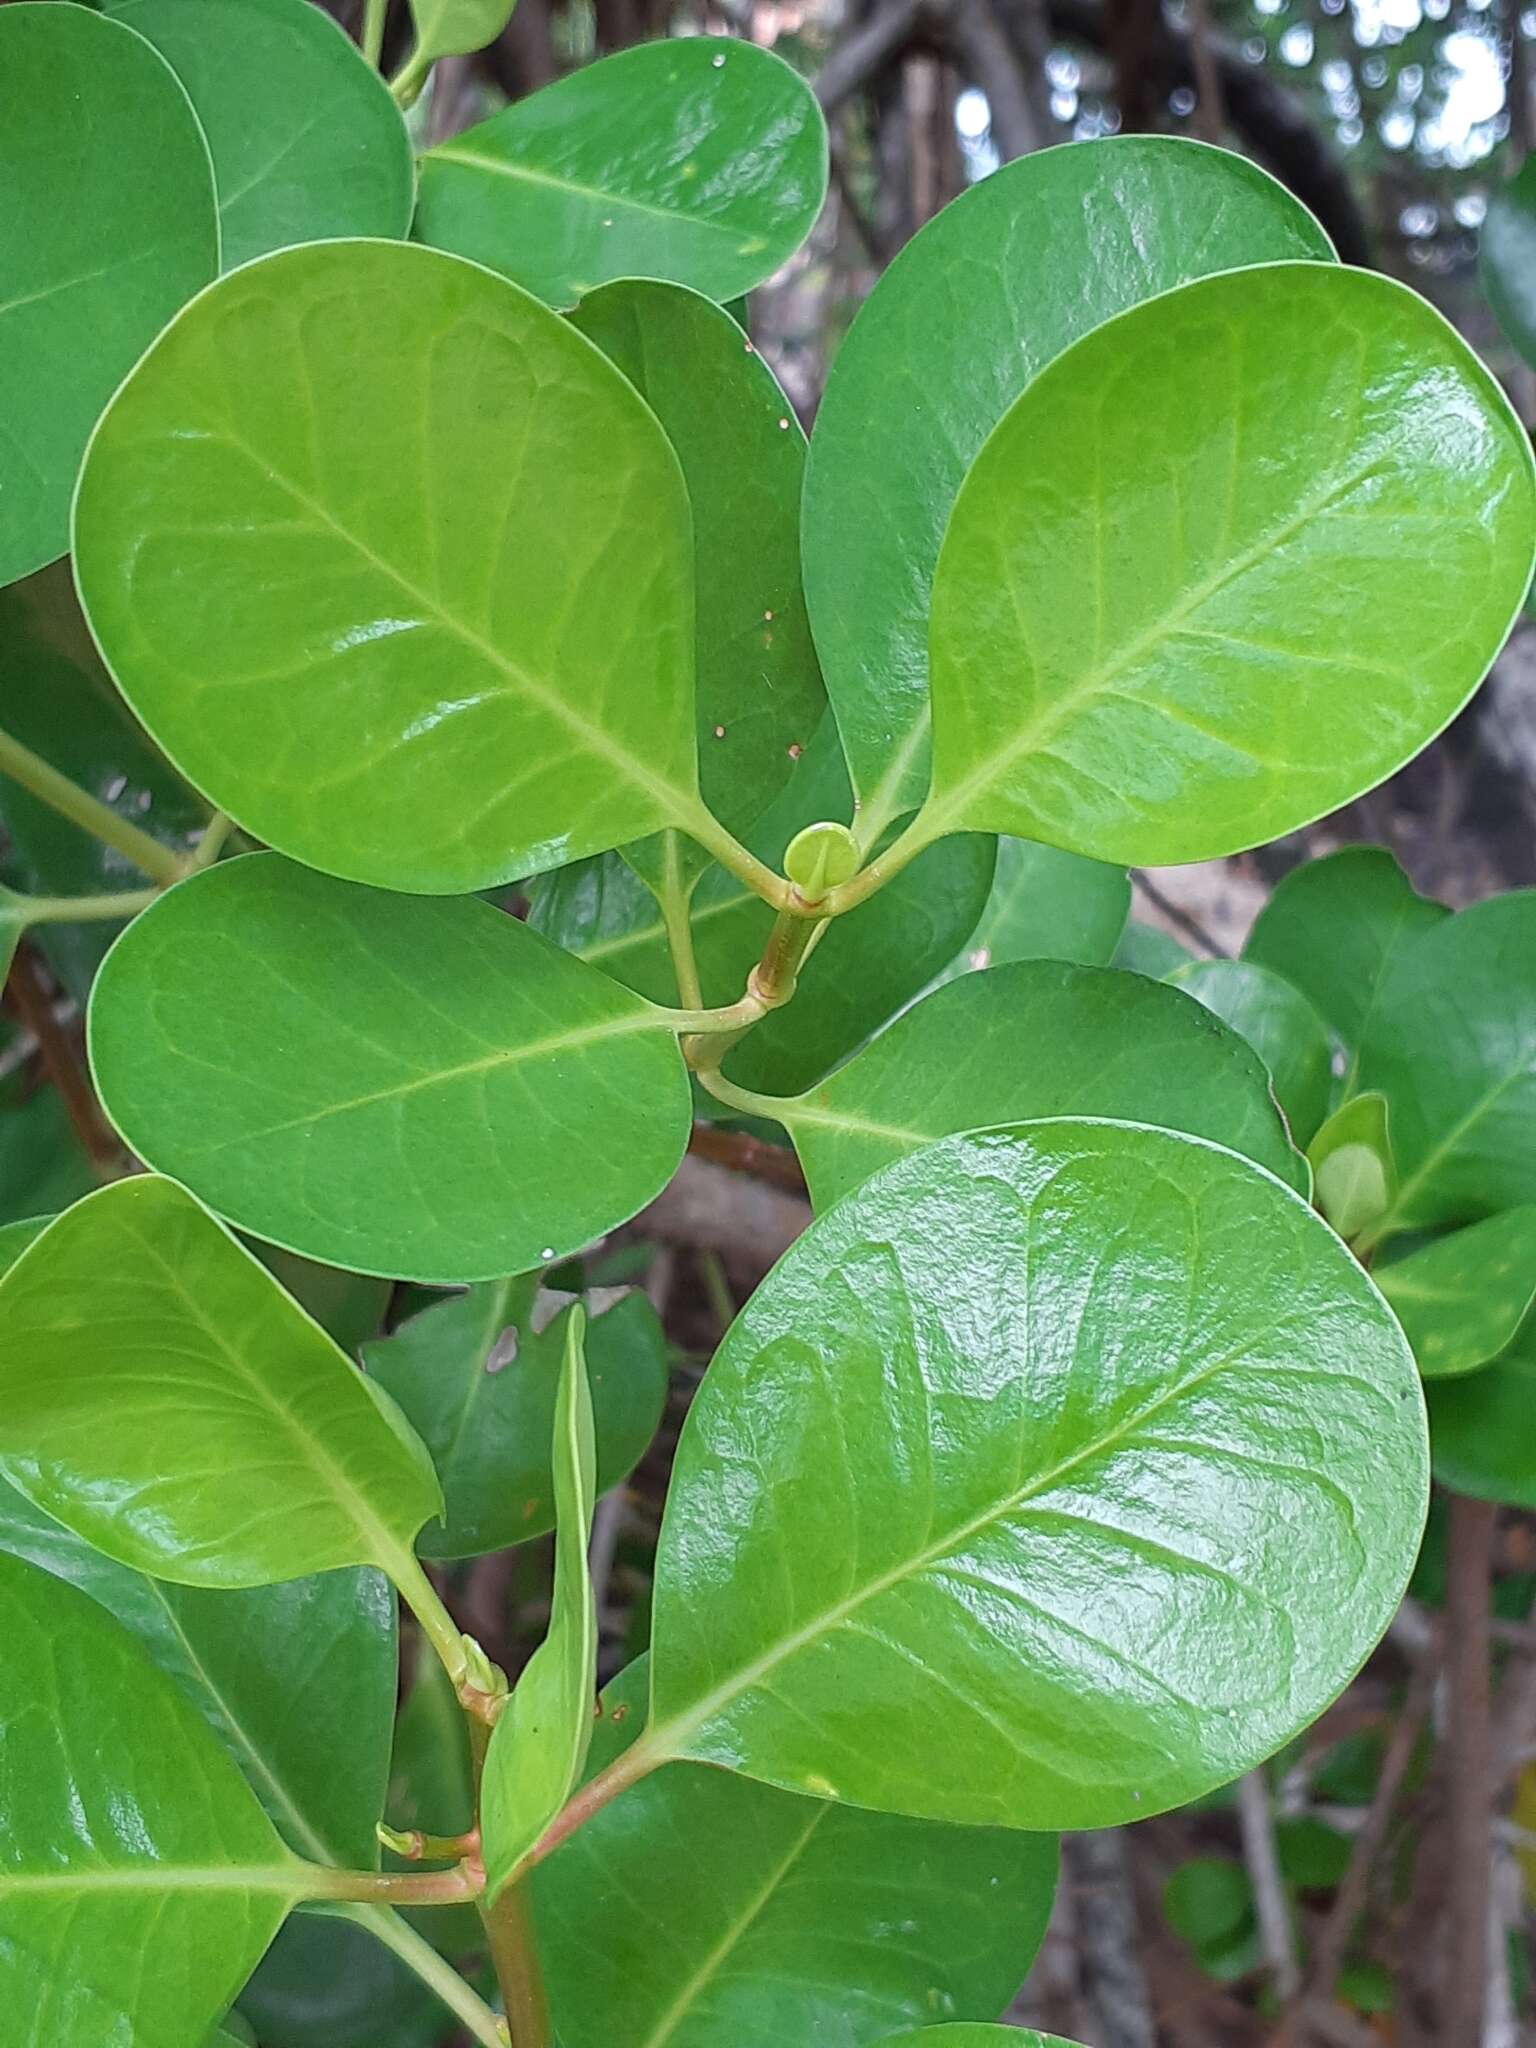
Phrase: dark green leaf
[738,1913]
[328,1983]
[42,1164]
[482,662]
[1148,949]
[1507,258]
[431,1788]
[1354,1173]
[1208,1900]
[109,226]
[981,1466]
[1282,1027]
[1461,1300]
[1483,1430]
[697,160]
[1048,905]
[477,1376]
[349,1307]
[297,1049]
[305,139]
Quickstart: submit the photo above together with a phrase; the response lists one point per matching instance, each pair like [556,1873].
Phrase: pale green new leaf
[1353,1170]
[387,1083]
[541,1739]
[1462,1299]
[1180,606]
[1282,1027]
[449,28]
[243,1448]
[108,227]
[699,160]
[139,1879]
[482,661]
[1080,1461]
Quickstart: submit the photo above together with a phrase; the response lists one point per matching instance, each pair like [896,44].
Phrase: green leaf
[1180,607]
[1282,1027]
[1333,927]
[1353,1170]
[980,1466]
[296,1049]
[1049,905]
[1001,281]
[1451,1043]
[1483,1430]
[327,1983]
[15,1237]
[1462,1299]
[478,1377]
[13,922]
[207,1369]
[1147,949]
[109,227]
[349,1307]
[970,2034]
[139,1879]
[1507,258]
[305,139]
[1101,1044]
[1208,1900]
[699,160]
[42,1164]
[744,1914]
[431,1788]
[452,28]
[540,1741]
[297,1681]
[482,664]
[743,458]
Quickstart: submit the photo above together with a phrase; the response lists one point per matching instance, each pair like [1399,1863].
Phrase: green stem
[735,1017]
[637,1762]
[375,13]
[88,812]
[81,909]
[745,1099]
[213,841]
[509,1932]
[433,1618]
[676,917]
[772,981]
[418,1954]
[921,833]
[454,1887]
[410,78]
[726,848]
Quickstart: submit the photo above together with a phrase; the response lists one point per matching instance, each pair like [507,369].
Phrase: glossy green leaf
[449,28]
[482,664]
[540,1741]
[15,1237]
[1353,1169]
[739,1913]
[139,1879]
[1333,927]
[478,1378]
[697,159]
[1049,905]
[1282,1027]
[743,457]
[1180,606]
[1507,258]
[109,226]
[305,139]
[1483,1430]
[1148,949]
[968,2034]
[327,1982]
[994,1461]
[1100,1044]
[297,1680]
[298,1049]
[1001,281]
[1461,1299]
[1451,1043]
[207,1369]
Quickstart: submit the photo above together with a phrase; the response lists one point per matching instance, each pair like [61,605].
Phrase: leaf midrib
[501,167]
[286,1879]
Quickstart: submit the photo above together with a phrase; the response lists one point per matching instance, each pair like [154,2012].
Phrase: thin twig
[32,1002]
[1276,1935]
[1469,1816]
[1176,914]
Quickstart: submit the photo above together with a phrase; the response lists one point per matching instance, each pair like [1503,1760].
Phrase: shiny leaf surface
[541,1738]
[1282,1027]
[699,160]
[109,226]
[207,1369]
[482,664]
[1048,905]
[298,1050]
[1461,1299]
[478,1378]
[1101,1044]
[994,1462]
[305,139]
[1146,558]
[735,1912]
[1002,280]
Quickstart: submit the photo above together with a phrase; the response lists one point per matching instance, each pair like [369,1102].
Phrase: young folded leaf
[700,160]
[244,1449]
[1462,1299]
[1354,1172]
[388,1083]
[1054,1477]
[541,1740]
[134,1925]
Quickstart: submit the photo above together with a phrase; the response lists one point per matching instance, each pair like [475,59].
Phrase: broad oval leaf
[109,228]
[699,160]
[477,1377]
[305,139]
[1002,280]
[1507,258]
[139,1879]
[136,1304]
[1179,608]
[1101,1044]
[386,1083]
[1451,1043]
[297,1680]
[1462,1299]
[1081,1460]
[1483,1430]
[450,28]
[542,1735]
[1282,1027]
[759,692]
[1148,949]
[482,664]
[769,1917]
